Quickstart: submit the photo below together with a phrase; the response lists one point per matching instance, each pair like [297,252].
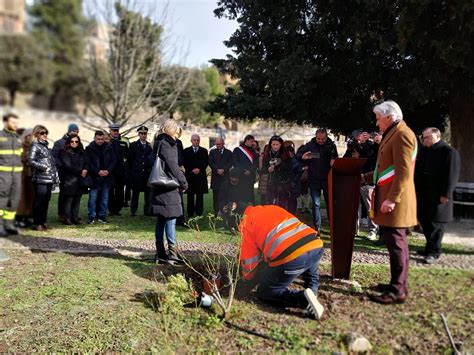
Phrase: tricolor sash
[385,177]
[247,153]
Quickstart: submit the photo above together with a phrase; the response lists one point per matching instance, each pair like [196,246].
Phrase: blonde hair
[36,130]
[171,128]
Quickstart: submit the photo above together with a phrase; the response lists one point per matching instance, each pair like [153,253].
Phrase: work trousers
[434,232]
[397,244]
[274,281]
[10,191]
[41,204]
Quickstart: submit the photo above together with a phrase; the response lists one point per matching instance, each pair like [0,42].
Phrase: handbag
[158,176]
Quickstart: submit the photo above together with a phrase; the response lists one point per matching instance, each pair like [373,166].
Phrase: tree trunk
[12,97]
[52,99]
[461,115]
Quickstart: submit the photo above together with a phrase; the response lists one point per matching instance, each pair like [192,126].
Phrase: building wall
[12,16]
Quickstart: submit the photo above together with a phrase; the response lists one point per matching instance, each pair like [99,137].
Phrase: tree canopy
[60,27]
[319,61]
[24,65]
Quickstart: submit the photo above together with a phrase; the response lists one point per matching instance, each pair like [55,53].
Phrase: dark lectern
[344,195]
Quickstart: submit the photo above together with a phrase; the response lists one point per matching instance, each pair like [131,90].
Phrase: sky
[193,22]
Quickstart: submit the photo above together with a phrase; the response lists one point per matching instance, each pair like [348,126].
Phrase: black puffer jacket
[43,163]
[167,202]
[72,163]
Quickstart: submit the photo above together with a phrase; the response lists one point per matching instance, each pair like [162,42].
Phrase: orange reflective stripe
[291,233]
[315,244]
[250,260]
[279,228]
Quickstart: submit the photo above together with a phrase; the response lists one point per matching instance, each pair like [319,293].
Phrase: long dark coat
[218,160]
[197,183]
[93,162]
[139,164]
[166,202]
[436,174]
[72,163]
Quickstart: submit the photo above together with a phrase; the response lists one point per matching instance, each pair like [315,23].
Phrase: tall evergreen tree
[319,61]
[23,66]
[60,27]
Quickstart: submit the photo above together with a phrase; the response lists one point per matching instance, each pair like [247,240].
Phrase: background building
[12,16]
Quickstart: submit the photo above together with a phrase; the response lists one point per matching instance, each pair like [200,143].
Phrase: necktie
[195,150]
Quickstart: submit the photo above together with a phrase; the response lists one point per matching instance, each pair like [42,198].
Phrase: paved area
[138,248]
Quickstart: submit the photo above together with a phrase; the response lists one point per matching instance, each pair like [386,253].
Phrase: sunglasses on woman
[43,133]
[74,142]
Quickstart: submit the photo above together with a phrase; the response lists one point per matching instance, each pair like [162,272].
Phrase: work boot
[173,255]
[3,232]
[11,228]
[162,258]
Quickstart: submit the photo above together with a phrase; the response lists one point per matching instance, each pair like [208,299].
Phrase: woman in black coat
[277,163]
[72,171]
[44,177]
[166,202]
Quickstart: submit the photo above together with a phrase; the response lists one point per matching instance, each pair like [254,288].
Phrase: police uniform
[139,163]
[116,192]
[10,179]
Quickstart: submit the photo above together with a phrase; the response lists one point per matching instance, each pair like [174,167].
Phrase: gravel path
[147,247]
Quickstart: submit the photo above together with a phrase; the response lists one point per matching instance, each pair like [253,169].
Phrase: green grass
[54,302]
[143,228]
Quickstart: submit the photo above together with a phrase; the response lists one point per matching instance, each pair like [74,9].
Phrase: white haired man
[394,202]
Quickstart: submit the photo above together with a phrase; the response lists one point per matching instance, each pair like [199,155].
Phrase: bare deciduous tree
[133,75]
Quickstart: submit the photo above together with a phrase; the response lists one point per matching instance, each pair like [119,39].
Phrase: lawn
[143,228]
[57,302]
[54,302]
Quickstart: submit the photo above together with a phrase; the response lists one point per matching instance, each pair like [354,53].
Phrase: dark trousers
[61,198]
[40,206]
[274,281]
[215,200]
[135,198]
[397,244]
[116,196]
[195,204]
[434,232]
[71,206]
[180,220]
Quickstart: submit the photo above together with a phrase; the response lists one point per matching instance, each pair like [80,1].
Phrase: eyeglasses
[43,133]
[74,142]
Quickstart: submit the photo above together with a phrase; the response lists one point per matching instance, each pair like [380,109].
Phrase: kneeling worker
[282,248]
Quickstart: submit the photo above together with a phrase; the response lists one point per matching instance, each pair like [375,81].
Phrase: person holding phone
[321,153]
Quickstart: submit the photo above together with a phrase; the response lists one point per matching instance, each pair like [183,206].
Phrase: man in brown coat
[394,203]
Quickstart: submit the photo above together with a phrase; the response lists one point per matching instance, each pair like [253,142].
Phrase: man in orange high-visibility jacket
[286,248]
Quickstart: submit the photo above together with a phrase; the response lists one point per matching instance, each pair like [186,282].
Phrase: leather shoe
[384,287]
[389,298]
